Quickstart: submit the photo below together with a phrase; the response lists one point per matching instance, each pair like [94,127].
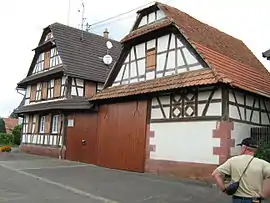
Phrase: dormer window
[49,36]
[151,17]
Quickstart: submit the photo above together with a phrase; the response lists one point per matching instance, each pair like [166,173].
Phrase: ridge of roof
[202,33]
[80,57]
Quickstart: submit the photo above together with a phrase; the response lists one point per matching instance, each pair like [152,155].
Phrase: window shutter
[47,123]
[151,59]
[59,124]
[36,124]
[30,124]
[33,93]
[57,87]
[47,59]
[44,90]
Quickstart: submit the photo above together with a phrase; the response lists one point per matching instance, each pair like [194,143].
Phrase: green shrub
[17,134]
[2,126]
[6,138]
[263,152]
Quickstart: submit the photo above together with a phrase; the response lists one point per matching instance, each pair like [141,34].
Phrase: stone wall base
[196,171]
[53,152]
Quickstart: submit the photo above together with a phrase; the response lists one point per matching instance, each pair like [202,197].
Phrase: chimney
[106,33]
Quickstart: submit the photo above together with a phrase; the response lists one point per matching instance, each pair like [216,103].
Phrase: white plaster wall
[239,132]
[234,112]
[175,64]
[214,109]
[38,139]
[185,142]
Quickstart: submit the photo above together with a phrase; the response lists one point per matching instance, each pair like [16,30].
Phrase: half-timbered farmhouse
[180,96]
[67,68]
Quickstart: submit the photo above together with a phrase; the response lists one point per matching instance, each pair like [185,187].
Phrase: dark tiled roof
[230,60]
[83,58]
[50,72]
[188,79]
[235,73]
[75,103]
[207,36]
[146,29]
[266,54]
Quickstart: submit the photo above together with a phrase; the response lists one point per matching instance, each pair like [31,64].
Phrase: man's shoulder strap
[246,168]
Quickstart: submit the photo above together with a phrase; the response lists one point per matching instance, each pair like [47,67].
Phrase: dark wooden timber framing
[237,105]
[143,39]
[185,119]
[165,69]
[225,103]
[261,109]
[182,100]
[209,101]
[167,53]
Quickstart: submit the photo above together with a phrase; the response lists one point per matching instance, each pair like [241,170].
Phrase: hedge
[6,138]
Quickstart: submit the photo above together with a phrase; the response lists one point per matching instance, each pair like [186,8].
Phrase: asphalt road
[26,178]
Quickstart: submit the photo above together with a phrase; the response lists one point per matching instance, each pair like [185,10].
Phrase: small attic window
[151,17]
[49,36]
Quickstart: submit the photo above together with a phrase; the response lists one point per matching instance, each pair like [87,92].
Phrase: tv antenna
[107,59]
[83,19]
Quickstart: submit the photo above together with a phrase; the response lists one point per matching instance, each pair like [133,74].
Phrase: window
[99,87]
[55,58]
[77,87]
[25,124]
[49,36]
[55,124]
[151,59]
[39,64]
[50,89]
[38,92]
[42,124]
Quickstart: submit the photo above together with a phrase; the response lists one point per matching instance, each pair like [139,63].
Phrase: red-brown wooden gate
[81,139]
[122,135]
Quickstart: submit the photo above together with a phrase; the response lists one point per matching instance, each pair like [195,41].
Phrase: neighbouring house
[178,99]
[10,124]
[266,54]
[67,68]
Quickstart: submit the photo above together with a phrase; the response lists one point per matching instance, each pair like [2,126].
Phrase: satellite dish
[107,59]
[109,45]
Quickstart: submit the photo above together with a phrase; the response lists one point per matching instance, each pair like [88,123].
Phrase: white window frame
[55,126]
[42,124]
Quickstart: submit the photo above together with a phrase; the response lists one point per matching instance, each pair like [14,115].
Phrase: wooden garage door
[122,135]
[85,128]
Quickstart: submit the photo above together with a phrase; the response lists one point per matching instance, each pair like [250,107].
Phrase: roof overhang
[74,104]
[47,75]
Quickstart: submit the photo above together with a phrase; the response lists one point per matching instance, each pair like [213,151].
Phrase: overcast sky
[22,23]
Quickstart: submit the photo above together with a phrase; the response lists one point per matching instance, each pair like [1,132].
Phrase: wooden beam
[208,102]
[225,103]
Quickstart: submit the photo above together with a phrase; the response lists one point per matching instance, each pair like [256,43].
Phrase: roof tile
[194,78]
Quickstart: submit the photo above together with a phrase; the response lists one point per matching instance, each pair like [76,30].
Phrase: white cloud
[22,23]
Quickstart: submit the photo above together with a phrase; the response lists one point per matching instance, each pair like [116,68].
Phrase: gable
[156,58]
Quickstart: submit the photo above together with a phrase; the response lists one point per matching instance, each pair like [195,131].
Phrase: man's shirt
[251,183]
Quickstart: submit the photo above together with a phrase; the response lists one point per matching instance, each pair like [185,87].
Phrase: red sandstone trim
[188,170]
[53,152]
[223,131]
